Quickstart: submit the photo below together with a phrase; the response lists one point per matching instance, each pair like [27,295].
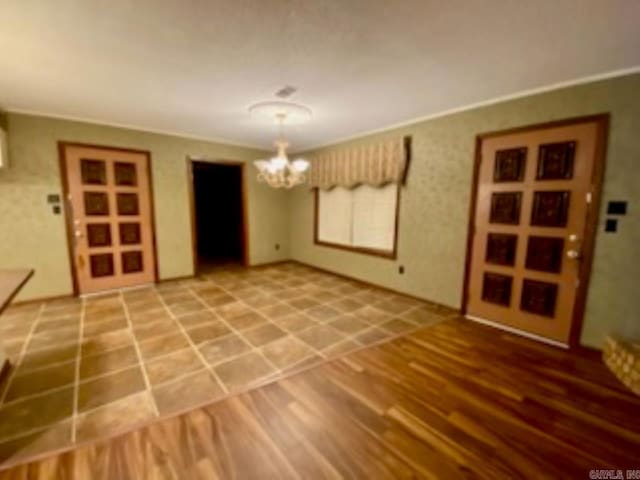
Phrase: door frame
[192,206]
[62,163]
[593,210]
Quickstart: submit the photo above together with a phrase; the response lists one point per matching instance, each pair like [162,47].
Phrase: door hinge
[588,197]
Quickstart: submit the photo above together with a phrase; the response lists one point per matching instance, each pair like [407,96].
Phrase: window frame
[389,254]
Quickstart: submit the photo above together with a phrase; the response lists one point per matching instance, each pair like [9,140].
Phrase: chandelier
[279,171]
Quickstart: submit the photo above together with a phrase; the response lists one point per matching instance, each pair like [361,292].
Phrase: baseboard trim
[448,308]
[43,299]
[516,331]
[269,264]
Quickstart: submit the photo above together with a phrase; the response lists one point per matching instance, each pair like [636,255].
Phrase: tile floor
[87,369]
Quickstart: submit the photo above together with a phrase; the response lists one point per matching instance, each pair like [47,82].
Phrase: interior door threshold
[522,333]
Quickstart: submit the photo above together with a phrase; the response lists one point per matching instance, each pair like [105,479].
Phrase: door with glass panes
[108,207]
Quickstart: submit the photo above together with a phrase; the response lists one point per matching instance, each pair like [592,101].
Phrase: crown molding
[484,103]
[136,128]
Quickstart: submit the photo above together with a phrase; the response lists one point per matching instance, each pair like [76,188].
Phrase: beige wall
[32,236]
[435,205]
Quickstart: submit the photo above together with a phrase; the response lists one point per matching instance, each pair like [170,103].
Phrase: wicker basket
[623,359]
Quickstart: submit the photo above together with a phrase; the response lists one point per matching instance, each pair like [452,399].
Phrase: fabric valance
[372,164]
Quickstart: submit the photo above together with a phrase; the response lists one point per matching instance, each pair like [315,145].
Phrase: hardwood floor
[454,400]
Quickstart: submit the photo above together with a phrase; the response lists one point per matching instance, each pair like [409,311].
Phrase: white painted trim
[138,128]
[485,103]
[524,93]
[522,333]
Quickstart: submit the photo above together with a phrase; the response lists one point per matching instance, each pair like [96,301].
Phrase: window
[362,219]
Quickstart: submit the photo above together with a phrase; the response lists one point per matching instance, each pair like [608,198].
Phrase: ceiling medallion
[279,171]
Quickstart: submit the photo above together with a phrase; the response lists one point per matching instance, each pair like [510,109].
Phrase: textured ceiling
[194,66]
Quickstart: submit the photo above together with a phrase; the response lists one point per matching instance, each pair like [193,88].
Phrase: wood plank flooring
[455,400]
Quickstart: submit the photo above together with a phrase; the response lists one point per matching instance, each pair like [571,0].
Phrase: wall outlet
[401,269]
[277,246]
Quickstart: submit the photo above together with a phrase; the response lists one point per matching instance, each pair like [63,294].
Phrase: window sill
[389,254]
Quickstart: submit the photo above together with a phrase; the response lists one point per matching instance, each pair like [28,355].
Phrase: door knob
[573,254]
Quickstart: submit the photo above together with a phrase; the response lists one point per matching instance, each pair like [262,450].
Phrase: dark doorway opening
[218,215]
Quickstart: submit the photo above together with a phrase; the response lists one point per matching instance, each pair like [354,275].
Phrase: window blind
[334,216]
[361,217]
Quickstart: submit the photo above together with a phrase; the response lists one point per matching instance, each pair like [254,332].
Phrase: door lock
[573,254]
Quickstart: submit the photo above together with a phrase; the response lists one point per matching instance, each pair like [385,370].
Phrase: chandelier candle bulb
[279,172]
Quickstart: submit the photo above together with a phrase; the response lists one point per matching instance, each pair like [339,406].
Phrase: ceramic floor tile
[104,326]
[52,437]
[102,363]
[348,324]
[196,319]
[277,310]
[41,380]
[15,330]
[48,356]
[187,392]
[341,348]
[211,331]
[322,296]
[172,298]
[373,315]
[61,313]
[286,352]
[320,337]
[260,301]
[162,345]
[323,313]
[371,335]
[263,334]
[397,325]
[232,310]
[65,322]
[147,316]
[295,322]
[157,328]
[395,306]
[249,326]
[137,294]
[217,351]
[247,320]
[115,417]
[172,366]
[423,316]
[53,337]
[303,303]
[13,348]
[144,307]
[308,362]
[244,371]
[35,412]
[104,314]
[217,299]
[106,341]
[186,307]
[346,305]
[102,390]
[207,290]
[292,292]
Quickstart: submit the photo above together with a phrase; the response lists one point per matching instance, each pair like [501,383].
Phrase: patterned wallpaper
[434,205]
[32,236]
